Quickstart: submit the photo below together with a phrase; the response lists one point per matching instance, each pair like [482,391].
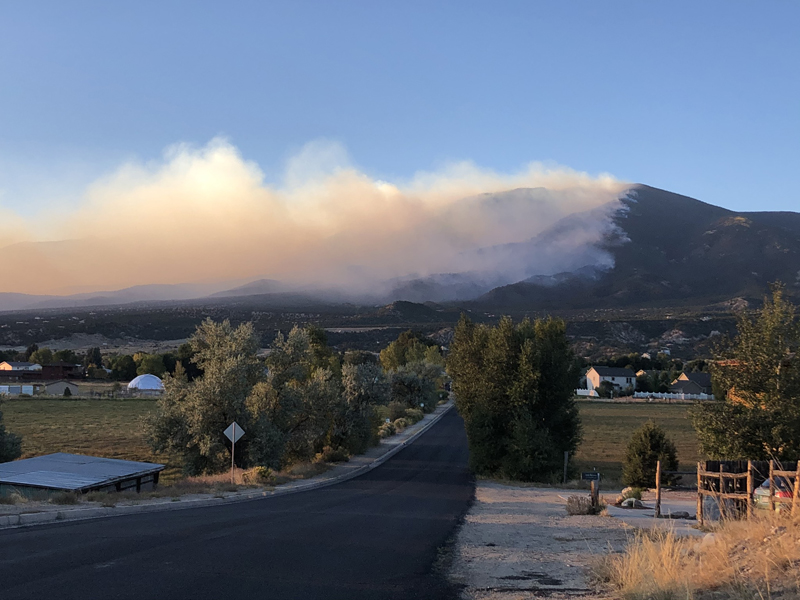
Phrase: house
[619,378]
[57,388]
[691,383]
[19,366]
[62,370]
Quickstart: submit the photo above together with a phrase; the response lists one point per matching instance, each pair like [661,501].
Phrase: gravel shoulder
[518,543]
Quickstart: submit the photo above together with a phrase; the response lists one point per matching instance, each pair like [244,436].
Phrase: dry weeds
[759,558]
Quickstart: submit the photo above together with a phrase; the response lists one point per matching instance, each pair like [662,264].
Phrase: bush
[330,455]
[12,498]
[258,476]
[606,390]
[400,424]
[396,410]
[387,430]
[64,498]
[414,415]
[631,492]
[647,446]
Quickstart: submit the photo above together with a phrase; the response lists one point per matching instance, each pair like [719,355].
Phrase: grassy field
[608,427]
[112,428]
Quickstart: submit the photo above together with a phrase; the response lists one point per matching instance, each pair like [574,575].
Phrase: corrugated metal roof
[74,472]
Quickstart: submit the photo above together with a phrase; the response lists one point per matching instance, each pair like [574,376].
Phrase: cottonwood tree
[757,375]
[514,387]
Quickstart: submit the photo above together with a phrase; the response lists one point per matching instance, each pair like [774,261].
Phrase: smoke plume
[206,214]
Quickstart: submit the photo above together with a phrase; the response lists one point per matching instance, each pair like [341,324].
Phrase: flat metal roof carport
[78,473]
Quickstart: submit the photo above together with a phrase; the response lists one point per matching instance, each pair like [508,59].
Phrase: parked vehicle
[783,489]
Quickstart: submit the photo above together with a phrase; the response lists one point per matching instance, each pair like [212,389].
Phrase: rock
[632,503]
[709,539]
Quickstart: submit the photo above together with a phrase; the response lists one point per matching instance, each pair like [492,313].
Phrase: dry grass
[759,558]
[109,428]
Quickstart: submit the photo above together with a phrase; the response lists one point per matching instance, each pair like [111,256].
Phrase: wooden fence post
[658,489]
[593,492]
[749,488]
[721,490]
[796,493]
[700,494]
[772,486]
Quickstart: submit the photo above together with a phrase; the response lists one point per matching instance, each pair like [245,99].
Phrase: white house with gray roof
[619,378]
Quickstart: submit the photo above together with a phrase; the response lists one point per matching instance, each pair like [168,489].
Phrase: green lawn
[608,427]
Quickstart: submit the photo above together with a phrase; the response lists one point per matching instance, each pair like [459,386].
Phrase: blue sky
[698,98]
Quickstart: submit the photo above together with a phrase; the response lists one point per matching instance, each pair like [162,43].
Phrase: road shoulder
[518,543]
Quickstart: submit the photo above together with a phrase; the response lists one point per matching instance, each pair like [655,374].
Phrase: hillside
[679,251]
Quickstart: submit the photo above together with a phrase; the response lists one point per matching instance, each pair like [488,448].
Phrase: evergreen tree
[647,446]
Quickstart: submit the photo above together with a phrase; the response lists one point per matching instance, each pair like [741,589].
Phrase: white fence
[591,393]
[667,396]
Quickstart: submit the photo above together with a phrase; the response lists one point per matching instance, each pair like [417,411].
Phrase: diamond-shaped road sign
[234,432]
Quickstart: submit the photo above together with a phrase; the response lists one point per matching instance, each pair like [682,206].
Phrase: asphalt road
[376,536]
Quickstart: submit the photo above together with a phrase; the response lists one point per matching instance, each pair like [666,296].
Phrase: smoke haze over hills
[204,215]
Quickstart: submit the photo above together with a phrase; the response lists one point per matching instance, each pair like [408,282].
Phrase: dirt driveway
[519,543]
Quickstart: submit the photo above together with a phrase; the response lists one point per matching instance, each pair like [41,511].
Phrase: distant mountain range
[655,248]
[671,250]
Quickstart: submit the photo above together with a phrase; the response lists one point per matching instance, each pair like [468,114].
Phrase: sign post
[234,433]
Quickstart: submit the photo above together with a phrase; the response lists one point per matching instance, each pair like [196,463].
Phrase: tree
[644,384]
[514,387]
[123,367]
[30,350]
[756,376]
[410,346]
[152,364]
[42,356]
[67,392]
[191,417]
[364,387]
[185,356]
[647,446]
[93,358]
[10,444]
[414,385]
[67,356]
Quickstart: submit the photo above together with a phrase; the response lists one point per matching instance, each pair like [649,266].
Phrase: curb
[30,519]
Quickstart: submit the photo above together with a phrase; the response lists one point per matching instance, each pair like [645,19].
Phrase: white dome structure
[146,383]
